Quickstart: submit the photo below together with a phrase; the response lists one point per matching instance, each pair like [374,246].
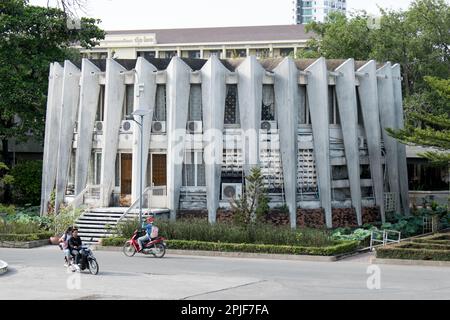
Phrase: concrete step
[92,226]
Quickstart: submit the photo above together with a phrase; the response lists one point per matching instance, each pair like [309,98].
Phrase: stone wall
[311,218]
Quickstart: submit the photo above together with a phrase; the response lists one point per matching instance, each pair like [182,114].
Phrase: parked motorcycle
[156,247]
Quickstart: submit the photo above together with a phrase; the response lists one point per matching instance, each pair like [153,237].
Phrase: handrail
[386,240]
[75,202]
[133,204]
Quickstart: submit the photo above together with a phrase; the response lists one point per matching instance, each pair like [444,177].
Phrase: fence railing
[383,238]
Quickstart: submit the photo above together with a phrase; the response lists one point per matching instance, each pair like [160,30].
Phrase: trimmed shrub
[398,252]
[27,182]
[26,237]
[339,247]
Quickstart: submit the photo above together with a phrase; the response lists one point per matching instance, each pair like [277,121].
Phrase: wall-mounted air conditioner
[158,127]
[125,127]
[98,127]
[231,191]
[195,126]
[269,125]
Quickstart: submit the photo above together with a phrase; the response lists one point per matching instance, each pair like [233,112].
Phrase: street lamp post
[141,113]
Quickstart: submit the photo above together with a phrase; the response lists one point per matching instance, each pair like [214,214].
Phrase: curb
[235,254]
[401,262]
[3,267]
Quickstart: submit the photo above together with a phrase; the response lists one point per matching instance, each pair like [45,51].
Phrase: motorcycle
[156,247]
[87,261]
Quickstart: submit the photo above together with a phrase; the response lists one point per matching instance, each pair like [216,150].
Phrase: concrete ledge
[405,262]
[24,244]
[3,267]
[236,254]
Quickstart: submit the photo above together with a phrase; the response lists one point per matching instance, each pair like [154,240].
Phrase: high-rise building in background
[306,11]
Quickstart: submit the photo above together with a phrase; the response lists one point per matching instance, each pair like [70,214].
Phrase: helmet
[150,219]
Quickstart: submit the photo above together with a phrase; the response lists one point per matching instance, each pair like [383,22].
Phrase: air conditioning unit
[361,142]
[231,191]
[269,125]
[98,127]
[125,126]
[159,127]
[195,126]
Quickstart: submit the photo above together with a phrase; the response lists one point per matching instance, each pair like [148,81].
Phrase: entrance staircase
[99,223]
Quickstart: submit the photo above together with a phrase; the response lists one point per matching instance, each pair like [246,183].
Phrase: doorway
[126,166]
[159,170]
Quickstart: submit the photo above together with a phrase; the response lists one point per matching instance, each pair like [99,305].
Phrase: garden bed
[339,247]
[432,248]
[25,241]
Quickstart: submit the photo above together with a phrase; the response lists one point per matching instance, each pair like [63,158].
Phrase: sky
[151,14]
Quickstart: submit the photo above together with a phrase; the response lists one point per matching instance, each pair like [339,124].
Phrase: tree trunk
[8,161]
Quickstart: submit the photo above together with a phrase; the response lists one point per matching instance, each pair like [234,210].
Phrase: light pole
[141,113]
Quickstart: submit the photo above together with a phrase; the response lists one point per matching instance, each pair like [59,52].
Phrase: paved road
[39,274]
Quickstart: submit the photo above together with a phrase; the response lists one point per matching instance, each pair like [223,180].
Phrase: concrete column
[52,124]
[144,98]
[178,88]
[348,112]
[368,94]
[401,148]
[69,107]
[114,99]
[287,102]
[213,100]
[388,120]
[317,89]
[250,84]
[89,95]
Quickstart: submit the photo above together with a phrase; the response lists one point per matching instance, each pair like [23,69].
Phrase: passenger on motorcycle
[64,245]
[75,245]
[148,232]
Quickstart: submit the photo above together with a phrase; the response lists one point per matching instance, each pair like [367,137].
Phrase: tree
[429,124]
[253,205]
[417,38]
[30,39]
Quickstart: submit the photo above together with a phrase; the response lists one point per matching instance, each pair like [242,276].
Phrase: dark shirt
[75,242]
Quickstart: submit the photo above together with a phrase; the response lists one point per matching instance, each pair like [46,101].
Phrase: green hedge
[26,237]
[405,253]
[340,247]
[425,241]
[113,242]
[431,246]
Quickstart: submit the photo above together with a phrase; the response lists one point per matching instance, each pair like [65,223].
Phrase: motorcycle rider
[75,245]
[64,245]
[148,232]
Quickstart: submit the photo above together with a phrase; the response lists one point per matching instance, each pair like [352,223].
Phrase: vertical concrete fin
[144,98]
[69,108]
[368,94]
[401,148]
[114,99]
[388,120]
[317,88]
[89,95]
[213,102]
[251,74]
[50,123]
[286,106]
[178,88]
[348,112]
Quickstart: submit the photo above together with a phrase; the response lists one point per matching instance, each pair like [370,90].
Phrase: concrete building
[306,11]
[315,127]
[201,43]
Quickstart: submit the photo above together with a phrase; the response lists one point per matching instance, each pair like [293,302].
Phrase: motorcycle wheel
[159,250]
[128,249]
[93,267]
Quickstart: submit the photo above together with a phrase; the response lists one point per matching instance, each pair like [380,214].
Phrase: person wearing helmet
[148,232]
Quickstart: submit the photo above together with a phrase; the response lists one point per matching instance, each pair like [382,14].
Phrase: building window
[195,103]
[268,103]
[160,109]
[286,52]
[236,53]
[146,54]
[192,54]
[304,116]
[101,104]
[231,105]
[333,110]
[128,103]
[98,167]
[194,169]
[167,54]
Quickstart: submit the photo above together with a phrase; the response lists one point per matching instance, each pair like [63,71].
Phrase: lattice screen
[307,175]
[232,160]
[389,202]
[270,160]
